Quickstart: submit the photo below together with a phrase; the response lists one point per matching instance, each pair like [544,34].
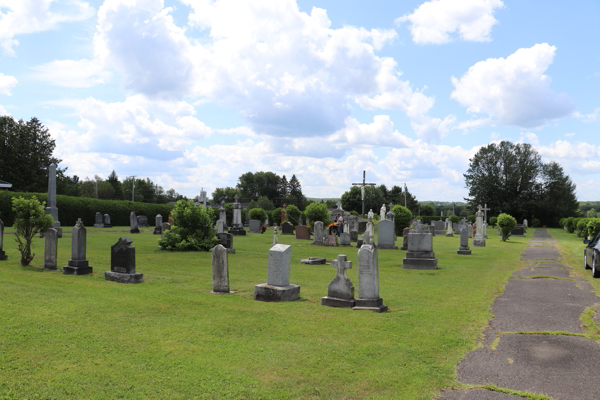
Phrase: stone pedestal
[420,252]
[479,242]
[123,278]
[122,263]
[266,292]
[78,265]
[278,287]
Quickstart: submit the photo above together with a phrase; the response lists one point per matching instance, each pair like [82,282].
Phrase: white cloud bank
[7,83]
[513,90]
[433,21]
[19,17]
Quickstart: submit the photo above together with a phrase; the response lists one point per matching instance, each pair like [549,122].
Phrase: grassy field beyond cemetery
[81,337]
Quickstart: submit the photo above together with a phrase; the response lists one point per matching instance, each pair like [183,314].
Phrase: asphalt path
[561,366]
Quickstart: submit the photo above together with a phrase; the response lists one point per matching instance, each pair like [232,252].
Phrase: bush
[229,213]
[403,218]
[506,223]
[71,208]
[454,219]
[355,213]
[426,219]
[493,221]
[568,224]
[293,214]
[593,227]
[317,212]
[562,222]
[471,218]
[30,220]
[581,227]
[193,229]
[276,214]
[535,222]
[259,214]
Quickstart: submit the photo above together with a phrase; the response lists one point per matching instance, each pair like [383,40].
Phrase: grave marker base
[266,292]
[370,304]
[464,252]
[77,267]
[123,278]
[237,231]
[3,255]
[338,303]
[479,242]
[136,230]
[420,263]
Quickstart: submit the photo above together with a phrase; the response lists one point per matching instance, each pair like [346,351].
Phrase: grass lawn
[81,337]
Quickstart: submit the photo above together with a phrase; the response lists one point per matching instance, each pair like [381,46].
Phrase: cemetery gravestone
[518,231]
[166,226]
[449,232]
[226,240]
[107,223]
[275,236]
[440,227]
[52,209]
[143,221]
[464,242]
[278,286]
[479,240]
[133,223]
[341,291]
[220,270]
[387,235]
[158,228]
[485,230]
[51,249]
[345,239]
[237,228]
[332,240]
[471,229]
[78,265]
[405,233]
[525,224]
[122,263]
[302,232]
[223,214]
[382,212]
[368,280]
[220,226]
[254,226]
[313,261]
[99,221]
[455,228]
[287,228]
[318,228]
[3,255]
[420,253]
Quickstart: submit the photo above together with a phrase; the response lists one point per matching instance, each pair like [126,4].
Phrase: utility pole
[362,189]
[133,187]
[405,190]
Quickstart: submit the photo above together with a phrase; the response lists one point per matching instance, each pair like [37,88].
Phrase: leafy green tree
[454,218]
[317,212]
[264,203]
[30,219]
[254,185]
[259,214]
[226,194]
[295,193]
[351,200]
[493,221]
[403,218]
[276,216]
[506,223]
[25,154]
[592,213]
[293,213]
[557,196]
[114,181]
[193,229]
[427,209]
[284,188]
[68,185]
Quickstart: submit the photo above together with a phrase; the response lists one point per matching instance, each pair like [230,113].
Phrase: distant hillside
[318,200]
[444,203]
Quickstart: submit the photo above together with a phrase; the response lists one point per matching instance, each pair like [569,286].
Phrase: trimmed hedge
[71,208]
[426,219]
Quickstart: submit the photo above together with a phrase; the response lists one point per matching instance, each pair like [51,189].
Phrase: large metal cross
[342,265]
[485,210]
[362,190]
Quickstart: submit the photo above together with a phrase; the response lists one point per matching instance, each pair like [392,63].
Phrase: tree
[557,197]
[258,213]
[283,190]
[254,185]
[226,194]
[30,219]
[193,229]
[427,210]
[351,200]
[114,181]
[506,223]
[317,212]
[264,203]
[295,192]
[26,147]
[403,218]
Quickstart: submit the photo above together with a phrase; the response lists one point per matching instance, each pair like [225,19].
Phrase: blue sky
[194,93]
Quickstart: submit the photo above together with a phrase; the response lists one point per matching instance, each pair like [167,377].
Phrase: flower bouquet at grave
[263,229]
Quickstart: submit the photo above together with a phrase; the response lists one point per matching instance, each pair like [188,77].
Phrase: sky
[195,93]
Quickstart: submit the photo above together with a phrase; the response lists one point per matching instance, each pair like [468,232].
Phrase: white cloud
[72,73]
[570,134]
[3,111]
[7,83]
[591,117]
[513,91]
[529,137]
[433,21]
[433,129]
[30,16]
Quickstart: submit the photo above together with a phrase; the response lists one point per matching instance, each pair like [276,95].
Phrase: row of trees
[376,196]
[511,178]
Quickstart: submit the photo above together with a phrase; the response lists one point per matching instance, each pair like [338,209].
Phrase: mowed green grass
[571,248]
[81,337]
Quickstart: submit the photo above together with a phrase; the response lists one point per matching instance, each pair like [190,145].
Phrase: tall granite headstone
[341,291]
[51,249]
[133,223]
[158,228]
[464,242]
[106,221]
[3,255]
[479,240]
[449,232]
[78,264]
[278,286]
[368,280]
[420,253]
[122,263]
[220,226]
[226,240]
[387,235]
[237,227]
[220,270]
[318,229]
[52,209]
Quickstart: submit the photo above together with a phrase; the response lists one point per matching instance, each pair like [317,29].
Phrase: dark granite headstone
[287,228]
[122,263]
[519,230]
[3,255]
[107,223]
[99,221]
[226,240]
[302,232]
[143,221]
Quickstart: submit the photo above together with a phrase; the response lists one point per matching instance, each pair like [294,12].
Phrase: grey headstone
[353,235]
[226,240]
[479,240]
[106,220]
[158,225]
[220,269]
[51,209]
[99,221]
[368,278]
[220,226]
[318,229]
[341,291]
[122,263]
[449,232]
[51,249]
[287,228]
[133,223]
[143,221]
[440,228]
[78,265]
[345,239]
[223,213]
[387,235]
[464,242]
[280,265]
[420,253]
[254,226]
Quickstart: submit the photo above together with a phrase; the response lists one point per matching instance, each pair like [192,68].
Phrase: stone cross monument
[340,292]
[362,189]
